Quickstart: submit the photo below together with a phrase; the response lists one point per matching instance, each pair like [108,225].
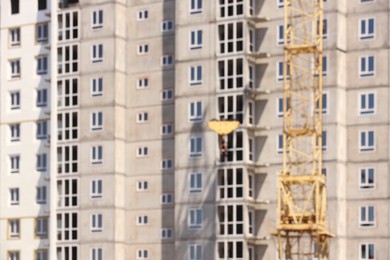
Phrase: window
[142,185]
[280,71]
[195,182]
[166,60]
[167,129]
[324,65]
[367,66]
[195,111]
[42,32]
[231,250]
[41,254]
[96,188]
[42,5]
[67,156]
[167,164]
[251,152]
[167,94]
[280,35]
[367,216]
[324,141]
[252,41]
[280,3]
[96,222]
[231,107]
[14,228]
[142,151]
[15,132]
[195,6]
[279,105]
[367,178]
[67,190]
[231,74]
[230,183]
[97,53]
[195,218]
[231,37]
[143,49]
[67,125]
[196,148]
[15,69]
[142,117]
[251,183]
[142,83]
[367,103]
[166,233]
[68,25]
[167,25]
[251,112]
[41,196]
[97,87]
[367,28]
[41,97]
[366,1]
[252,76]
[15,100]
[142,220]
[42,62]
[67,252]
[97,253]
[235,147]
[14,163]
[143,15]
[325,28]
[231,219]
[324,103]
[367,141]
[41,130]
[14,37]
[142,254]
[14,6]
[14,196]
[67,92]
[195,75]
[97,121]
[195,252]
[67,227]
[231,8]
[166,198]
[68,59]
[251,7]
[41,227]
[41,162]
[13,255]
[196,39]
[97,19]
[97,155]
[367,251]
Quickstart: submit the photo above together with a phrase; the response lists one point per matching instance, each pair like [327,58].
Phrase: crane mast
[301,225]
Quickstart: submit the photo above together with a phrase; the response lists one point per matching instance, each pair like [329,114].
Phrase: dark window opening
[42,4]
[14,6]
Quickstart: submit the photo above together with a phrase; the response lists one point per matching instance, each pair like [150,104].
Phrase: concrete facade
[131,169]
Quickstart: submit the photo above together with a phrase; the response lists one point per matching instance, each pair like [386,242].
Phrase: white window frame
[96,222]
[42,64]
[195,6]
[367,245]
[14,196]
[366,35]
[42,162]
[195,111]
[142,185]
[96,253]
[166,198]
[167,129]
[364,218]
[97,19]
[14,37]
[195,75]
[14,163]
[195,182]
[364,178]
[279,144]
[73,64]
[195,252]
[14,228]
[167,60]
[195,147]
[166,164]
[142,254]
[42,95]
[280,34]
[97,154]
[142,151]
[142,49]
[15,132]
[142,83]
[97,87]
[96,188]
[143,15]
[41,197]
[167,95]
[196,39]
[142,220]
[42,32]
[366,96]
[366,72]
[166,233]
[41,227]
[280,3]
[15,69]
[167,26]
[251,112]
[97,51]
[15,100]
[142,117]
[97,121]
[195,218]
[366,147]
[42,130]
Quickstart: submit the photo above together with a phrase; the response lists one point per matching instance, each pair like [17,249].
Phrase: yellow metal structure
[223,128]
[301,226]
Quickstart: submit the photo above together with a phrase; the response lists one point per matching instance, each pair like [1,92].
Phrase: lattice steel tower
[301,227]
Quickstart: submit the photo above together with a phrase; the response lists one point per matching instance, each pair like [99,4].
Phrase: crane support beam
[301,226]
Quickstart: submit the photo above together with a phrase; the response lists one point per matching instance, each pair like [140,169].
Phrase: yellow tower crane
[301,225]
